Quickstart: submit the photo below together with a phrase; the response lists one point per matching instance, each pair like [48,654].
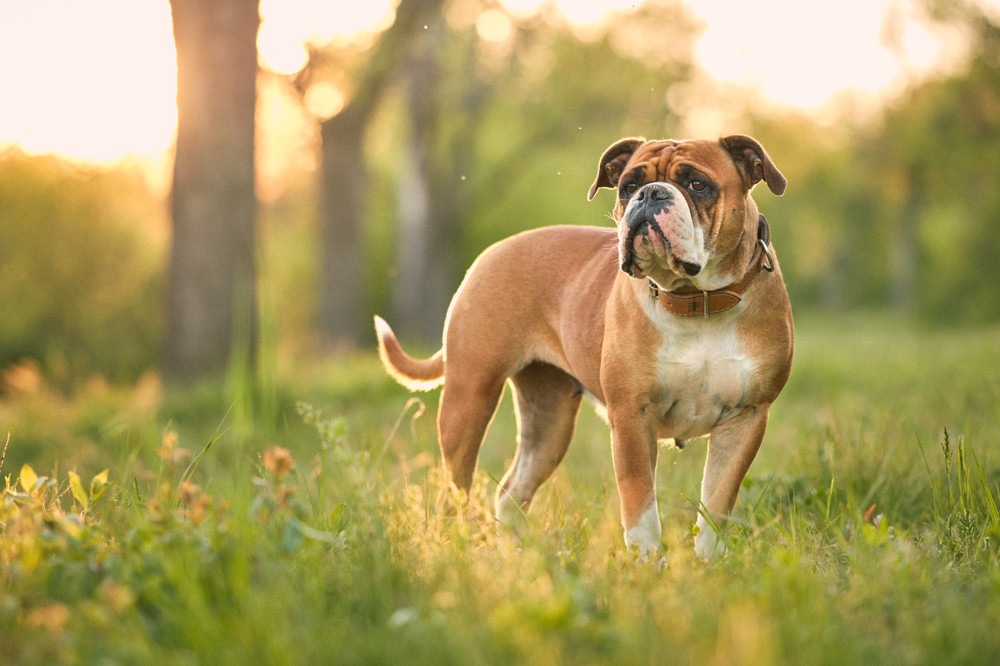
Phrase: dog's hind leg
[465,412]
[547,401]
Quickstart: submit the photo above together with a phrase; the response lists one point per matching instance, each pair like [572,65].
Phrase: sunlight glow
[591,11]
[801,54]
[494,26]
[287,24]
[324,100]
[76,83]
[97,80]
[822,48]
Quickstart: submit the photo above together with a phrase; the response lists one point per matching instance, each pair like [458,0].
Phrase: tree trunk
[420,260]
[344,184]
[211,300]
[432,197]
[903,256]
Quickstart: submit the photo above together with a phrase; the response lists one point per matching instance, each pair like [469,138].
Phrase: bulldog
[677,323]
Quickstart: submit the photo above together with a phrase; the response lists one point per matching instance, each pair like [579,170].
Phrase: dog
[677,322]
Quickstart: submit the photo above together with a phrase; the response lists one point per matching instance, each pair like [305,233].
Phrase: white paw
[707,544]
[644,536]
[509,513]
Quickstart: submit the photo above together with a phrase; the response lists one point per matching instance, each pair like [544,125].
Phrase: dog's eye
[630,188]
[698,186]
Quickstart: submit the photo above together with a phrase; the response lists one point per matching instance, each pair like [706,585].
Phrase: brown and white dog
[678,323]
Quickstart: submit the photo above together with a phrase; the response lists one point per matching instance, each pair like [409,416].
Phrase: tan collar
[697,303]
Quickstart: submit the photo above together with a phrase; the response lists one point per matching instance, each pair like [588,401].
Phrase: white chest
[702,374]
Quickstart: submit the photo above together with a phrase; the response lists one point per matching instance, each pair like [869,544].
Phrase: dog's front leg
[634,449]
[731,448]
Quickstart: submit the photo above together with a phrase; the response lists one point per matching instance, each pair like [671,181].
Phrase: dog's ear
[754,163]
[612,164]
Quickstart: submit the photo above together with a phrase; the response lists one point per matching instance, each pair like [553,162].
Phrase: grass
[867,530]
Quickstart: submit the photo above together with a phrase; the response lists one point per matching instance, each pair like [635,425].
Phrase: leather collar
[697,303]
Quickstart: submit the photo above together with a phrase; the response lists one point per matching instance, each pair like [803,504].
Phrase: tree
[211,299]
[443,103]
[343,172]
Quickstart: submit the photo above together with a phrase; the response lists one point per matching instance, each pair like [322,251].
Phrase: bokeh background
[476,120]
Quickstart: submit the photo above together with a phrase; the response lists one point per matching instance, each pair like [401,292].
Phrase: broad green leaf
[98,485]
[337,520]
[78,492]
[28,478]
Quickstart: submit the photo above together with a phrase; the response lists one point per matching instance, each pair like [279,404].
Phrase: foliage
[900,212]
[867,532]
[80,262]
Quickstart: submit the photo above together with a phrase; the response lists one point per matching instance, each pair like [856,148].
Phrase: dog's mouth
[641,231]
[628,257]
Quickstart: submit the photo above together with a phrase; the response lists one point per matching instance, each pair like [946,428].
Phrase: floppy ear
[612,164]
[753,163]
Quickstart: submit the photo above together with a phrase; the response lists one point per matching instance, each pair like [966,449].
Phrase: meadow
[304,523]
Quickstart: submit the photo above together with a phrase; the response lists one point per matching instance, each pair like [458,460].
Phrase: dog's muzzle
[640,219]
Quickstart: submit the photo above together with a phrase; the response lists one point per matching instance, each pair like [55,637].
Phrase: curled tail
[415,374]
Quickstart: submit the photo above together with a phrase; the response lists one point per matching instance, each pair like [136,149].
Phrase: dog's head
[684,206]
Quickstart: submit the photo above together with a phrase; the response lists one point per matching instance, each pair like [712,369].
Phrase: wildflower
[198,512]
[188,492]
[169,452]
[170,439]
[278,460]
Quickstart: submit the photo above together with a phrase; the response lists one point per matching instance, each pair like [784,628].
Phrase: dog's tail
[413,373]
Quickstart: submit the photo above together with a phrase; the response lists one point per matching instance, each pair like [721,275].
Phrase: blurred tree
[900,212]
[941,152]
[211,298]
[364,78]
[437,147]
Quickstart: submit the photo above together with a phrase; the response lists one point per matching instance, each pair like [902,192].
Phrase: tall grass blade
[991,503]
[196,461]
[3,456]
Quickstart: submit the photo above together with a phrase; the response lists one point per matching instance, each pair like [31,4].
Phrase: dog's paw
[507,539]
[656,560]
[707,544]
[645,547]
[510,513]
[645,534]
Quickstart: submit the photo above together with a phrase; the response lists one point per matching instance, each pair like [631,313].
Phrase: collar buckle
[769,264]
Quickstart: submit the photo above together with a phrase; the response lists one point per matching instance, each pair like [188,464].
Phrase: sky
[95,80]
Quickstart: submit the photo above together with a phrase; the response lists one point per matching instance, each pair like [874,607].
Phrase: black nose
[651,199]
[690,269]
[655,192]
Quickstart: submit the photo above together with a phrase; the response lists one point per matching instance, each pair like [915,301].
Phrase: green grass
[867,531]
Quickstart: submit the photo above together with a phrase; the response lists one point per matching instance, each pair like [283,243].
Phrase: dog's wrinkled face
[683,203]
